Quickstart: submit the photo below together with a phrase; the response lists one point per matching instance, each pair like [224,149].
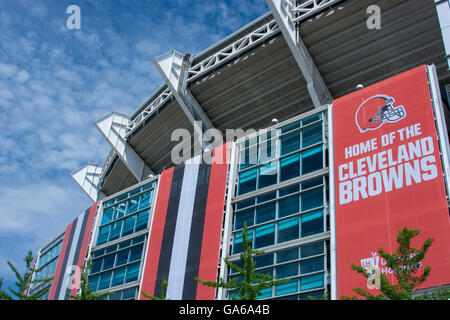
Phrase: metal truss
[239,46]
[172,66]
[302,10]
[88,177]
[284,12]
[152,107]
[114,127]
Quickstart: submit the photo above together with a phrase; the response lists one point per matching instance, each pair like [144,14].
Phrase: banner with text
[388,175]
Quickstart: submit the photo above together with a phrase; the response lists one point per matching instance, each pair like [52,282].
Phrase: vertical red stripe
[156,233]
[209,256]
[85,243]
[62,253]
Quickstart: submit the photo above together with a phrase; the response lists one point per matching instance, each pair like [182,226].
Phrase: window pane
[290,142]
[265,293]
[115,230]
[122,257]
[312,199]
[93,282]
[265,235]
[237,243]
[312,223]
[244,216]
[312,249]
[265,212]
[103,234]
[262,260]
[108,261]
[148,186]
[287,270]
[266,197]
[132,272]
[267,147]
[312,265]
[312,134]
[136,253]
[107,215]
[290,127]
[129,294]
[311,282]
[96,265]
[268,174]
[288,206]
[120,210]
[312,183]
[289,190]
[132,205]
[245,203]
[111,248]
[312,160]
[314,294]
[287,255]
[128,225]
[286,288]
[313,118]
[105,279]
[118,276]
[142,220]
[288,229]
[290,167]
[247,181]
[145,200]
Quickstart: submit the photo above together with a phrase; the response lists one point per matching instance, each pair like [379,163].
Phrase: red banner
[388,174]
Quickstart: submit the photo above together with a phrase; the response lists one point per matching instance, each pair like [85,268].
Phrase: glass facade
[281,195]
[48,258]
[117,258]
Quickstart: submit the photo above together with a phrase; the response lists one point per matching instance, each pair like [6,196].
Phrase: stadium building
[330,133]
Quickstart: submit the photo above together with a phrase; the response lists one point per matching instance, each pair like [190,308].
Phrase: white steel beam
[172,67]
[114,128]
[443,12]
[87,177]
[284,12]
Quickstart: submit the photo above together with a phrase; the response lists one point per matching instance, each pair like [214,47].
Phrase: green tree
[85,292]
[3,294]
[164,285]
[250,283]
[406,265]
[25,282]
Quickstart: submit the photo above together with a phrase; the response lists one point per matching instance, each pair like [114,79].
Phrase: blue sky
[55,82]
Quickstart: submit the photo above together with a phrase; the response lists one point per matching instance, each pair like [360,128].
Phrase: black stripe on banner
[169,228]
[196,234]
[79,244]
[66,257]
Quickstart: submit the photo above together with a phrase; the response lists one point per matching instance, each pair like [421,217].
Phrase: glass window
[142,220]
[263,260]
[265,212]
[312,265]
[132,272]
[244,216]
[103,234]
[122,257]
[312,183]
[96,265]
[129,294]
[247,181]
[115,230]
[245,203]
[288,229]
[312,249]
[265,235]
[120,210]
[289,190]
[145,200]
[312,160]
[266,197]
[290,142]
[312,134]
[287,270]
[128,225]
[288,206]
[237,247]
[290,127]
[108,261]
[312,223]
[311,119]
[118,276]
[136,253]
[312,199]
[107,215]
[289,287]
[93,282]
[268,175]
[290,167]
[311,282]
[287,255]
[105,279]
[132,205]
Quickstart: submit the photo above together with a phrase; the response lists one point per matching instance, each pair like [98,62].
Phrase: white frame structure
[88,178]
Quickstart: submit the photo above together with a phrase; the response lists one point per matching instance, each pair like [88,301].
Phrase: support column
[88,177]
[173,68]
[113,127]
[283,12]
